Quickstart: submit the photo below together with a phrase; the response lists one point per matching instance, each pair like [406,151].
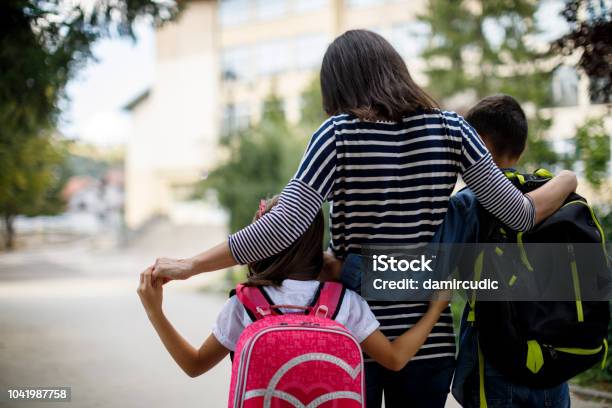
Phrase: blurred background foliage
[259,162]
[43,44]
[590,37]
[264,157]
[462,58]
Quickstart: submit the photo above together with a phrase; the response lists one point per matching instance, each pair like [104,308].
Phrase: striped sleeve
[297,206]
[493,190]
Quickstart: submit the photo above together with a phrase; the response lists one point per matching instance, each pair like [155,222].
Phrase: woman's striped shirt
[388,183]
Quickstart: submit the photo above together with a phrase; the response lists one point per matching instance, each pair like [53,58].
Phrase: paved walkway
[70,316]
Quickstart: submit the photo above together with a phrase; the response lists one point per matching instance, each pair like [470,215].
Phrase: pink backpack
[296,360]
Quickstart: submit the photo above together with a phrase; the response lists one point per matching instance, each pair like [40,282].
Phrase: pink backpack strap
[254,301]
[329,300]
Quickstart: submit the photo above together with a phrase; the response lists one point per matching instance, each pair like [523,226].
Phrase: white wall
[175,129]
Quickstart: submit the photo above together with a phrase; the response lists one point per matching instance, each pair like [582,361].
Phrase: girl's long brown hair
[302,260]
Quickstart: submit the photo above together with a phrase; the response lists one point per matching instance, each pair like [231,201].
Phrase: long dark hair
[364,75]
[302,260]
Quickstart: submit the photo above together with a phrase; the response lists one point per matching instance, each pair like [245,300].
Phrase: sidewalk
[70,316]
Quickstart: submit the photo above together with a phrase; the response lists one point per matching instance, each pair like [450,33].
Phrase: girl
[387,159]
[288,278]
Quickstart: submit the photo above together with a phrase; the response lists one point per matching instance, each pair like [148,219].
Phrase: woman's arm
[298,203]
[551,196]
[297,206]
[396,354]
[194,362]
[216,258]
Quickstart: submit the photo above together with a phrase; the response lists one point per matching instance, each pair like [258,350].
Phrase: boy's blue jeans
[500,393]
[504,394]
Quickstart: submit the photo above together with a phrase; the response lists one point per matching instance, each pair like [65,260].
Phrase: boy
[502,125]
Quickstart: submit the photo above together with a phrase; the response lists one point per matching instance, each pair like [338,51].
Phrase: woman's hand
[150,292]
[172,269]
[216,258]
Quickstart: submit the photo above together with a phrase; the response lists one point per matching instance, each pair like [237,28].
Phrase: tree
[481,47]
[590,35]
[261,160]
[31,181]
[264,157]
[593,150]
[312,114]
[43,43]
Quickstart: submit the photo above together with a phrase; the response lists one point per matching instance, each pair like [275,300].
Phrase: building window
[270,9]
[364,3]
[273,57]
[233,12]
[309,50]
[565,86]
[236,118]
[304,6]
[235,63]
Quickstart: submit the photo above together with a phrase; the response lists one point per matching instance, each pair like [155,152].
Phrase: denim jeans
[499,392]
[421,384]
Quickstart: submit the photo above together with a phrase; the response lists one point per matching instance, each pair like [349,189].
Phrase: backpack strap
[329,300]
[256,302]
[482,396]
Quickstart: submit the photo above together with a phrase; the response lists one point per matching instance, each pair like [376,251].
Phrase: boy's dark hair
[364,75]
[501,120]
[302,260]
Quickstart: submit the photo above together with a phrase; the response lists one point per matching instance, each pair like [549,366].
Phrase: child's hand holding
[150,292]
[440,301]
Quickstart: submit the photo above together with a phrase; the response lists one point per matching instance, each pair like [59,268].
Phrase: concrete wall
[174,139]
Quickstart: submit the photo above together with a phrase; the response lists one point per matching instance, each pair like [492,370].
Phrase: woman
[387,159]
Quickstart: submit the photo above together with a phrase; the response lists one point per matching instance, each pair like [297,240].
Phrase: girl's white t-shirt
[354,313]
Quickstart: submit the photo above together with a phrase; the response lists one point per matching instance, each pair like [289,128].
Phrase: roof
[76,184]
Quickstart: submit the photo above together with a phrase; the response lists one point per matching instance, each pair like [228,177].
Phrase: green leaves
[593,150]
[261,160]
[42,46]
[481,47]
[31,177]
[589,36]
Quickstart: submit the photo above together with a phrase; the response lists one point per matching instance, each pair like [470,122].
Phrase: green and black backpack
[541,344]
